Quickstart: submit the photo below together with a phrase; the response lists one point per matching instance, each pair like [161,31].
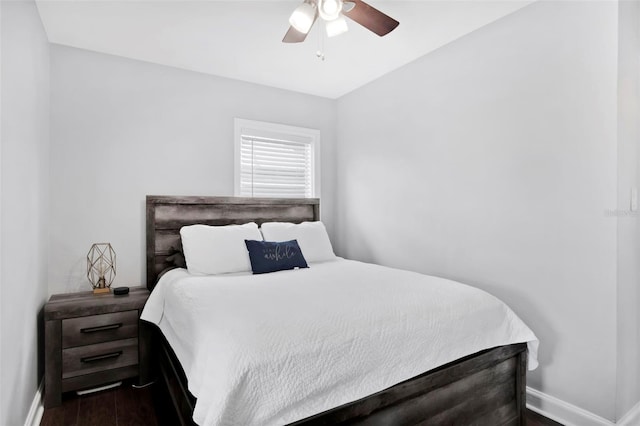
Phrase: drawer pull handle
[101,328]
[101,357]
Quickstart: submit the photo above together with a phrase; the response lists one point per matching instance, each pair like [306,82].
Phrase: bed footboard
[487,388]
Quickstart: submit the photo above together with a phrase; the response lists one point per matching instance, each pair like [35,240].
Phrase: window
[275,160]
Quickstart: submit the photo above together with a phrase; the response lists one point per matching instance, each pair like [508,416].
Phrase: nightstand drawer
[99,357]
[99,328]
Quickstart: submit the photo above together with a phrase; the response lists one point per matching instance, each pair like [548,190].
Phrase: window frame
[262,127]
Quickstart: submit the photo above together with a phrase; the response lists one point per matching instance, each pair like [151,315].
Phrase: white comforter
[275,348]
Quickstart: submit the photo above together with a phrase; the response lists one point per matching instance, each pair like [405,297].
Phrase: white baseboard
[37,408]
[570,415]
[561,411]
[632,418]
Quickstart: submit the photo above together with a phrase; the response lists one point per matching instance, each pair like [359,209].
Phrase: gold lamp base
[102,290]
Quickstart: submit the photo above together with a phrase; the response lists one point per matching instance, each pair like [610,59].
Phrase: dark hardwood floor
[535,419]
[150,406]
[122,406]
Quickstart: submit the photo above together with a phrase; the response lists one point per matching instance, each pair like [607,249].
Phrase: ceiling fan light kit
[336,27]
[333,13]
[303,17]
[329,9]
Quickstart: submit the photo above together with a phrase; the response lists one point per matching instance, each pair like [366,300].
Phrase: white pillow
[312,238]
[218,249]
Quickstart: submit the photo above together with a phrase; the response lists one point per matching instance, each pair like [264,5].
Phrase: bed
[485,387]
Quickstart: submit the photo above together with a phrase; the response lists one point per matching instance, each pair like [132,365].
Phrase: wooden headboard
[167,214]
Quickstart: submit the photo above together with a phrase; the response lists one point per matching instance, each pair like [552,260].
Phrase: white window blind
[274,160]
[275,168]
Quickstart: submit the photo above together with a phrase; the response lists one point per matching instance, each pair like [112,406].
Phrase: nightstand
[93,340]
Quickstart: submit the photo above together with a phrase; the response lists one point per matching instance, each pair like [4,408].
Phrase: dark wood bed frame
[486,388]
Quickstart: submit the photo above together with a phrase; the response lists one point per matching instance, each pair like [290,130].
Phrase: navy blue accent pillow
[270,256]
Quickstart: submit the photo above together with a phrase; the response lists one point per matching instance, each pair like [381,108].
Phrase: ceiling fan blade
[371,18]
[295,36]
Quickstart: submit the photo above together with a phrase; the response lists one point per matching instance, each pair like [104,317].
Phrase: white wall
[628,389]
[492,161]
[24,170]
[123,129]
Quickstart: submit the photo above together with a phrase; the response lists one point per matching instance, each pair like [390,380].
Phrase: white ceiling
[242,39]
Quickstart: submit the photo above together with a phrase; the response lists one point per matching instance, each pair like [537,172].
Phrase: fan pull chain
[320,52]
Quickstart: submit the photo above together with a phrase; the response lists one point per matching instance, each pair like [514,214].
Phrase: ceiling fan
[332,12]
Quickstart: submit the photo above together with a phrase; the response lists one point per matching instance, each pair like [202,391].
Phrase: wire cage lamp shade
[101,267]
